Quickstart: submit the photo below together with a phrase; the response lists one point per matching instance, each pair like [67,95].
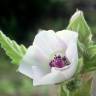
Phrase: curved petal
[72,55]
[48,42]
[52,78]
[67,36]
[25,69]
[37,72]
[70,38]
[34,57]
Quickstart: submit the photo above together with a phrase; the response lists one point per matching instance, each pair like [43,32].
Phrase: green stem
[82,90]
[64,91]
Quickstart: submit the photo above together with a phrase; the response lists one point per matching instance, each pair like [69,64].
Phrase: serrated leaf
[12,49]
[78,23]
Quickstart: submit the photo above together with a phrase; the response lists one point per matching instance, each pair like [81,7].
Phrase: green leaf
[77,23]
[12,49]
[90,59]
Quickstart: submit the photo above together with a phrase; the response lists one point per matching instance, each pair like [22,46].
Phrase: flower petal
[67,36]
[37,72]
[48,42]
[50,79]
[26,69]
[34,57]
[72,55]
[70,38]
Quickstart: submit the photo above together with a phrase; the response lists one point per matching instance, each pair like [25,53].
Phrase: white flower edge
[55,76]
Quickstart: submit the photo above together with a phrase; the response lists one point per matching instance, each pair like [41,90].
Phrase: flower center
[59,62]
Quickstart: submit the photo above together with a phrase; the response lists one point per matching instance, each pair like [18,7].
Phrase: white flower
[52,58]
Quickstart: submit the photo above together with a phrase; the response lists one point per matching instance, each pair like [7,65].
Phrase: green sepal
[77,23]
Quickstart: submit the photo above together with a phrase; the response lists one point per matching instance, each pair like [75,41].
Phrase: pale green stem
[64,91]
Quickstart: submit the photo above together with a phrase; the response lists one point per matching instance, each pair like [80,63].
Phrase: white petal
[48,42]
[70,38]
[33,57]
[26,69]
[50,79]
[72,55]
[67,36]
[37,73]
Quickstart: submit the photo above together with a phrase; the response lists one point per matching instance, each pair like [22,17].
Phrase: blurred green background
[20,20]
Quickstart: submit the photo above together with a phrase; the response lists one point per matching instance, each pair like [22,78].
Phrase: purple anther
[59,62]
